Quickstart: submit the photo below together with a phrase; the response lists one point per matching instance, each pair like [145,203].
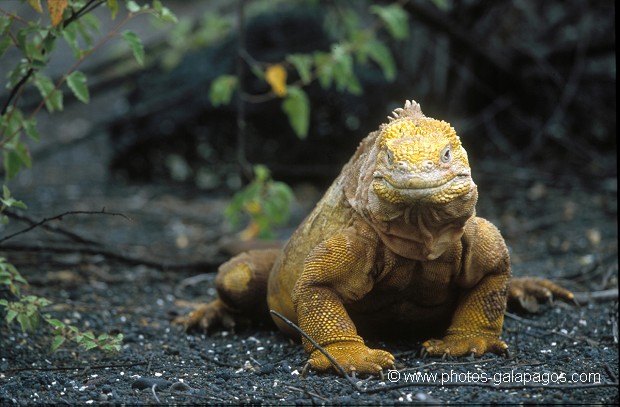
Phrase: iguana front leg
[337,270]
[479,316]
[477,321]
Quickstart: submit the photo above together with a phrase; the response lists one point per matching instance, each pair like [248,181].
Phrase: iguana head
[419,159]
[413,184]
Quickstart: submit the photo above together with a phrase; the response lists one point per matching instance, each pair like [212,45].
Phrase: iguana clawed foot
[463,345]
[526,293]
[206,316]
[354,357]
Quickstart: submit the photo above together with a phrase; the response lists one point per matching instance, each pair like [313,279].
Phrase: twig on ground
[524,320]
[154,393]
[111,255]
[604,295]
[59,217]
[55,229]
[336,365]
[309,393]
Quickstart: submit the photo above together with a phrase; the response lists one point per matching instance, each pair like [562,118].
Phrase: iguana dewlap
[394,245]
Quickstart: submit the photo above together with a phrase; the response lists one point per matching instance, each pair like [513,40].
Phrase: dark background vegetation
[530,82]
[529,87]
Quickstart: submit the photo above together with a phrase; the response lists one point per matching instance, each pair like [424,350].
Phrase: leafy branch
[334,68]
[73,21]
[265,201]
[358,44]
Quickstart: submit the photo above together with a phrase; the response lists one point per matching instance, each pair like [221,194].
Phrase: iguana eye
[446,154]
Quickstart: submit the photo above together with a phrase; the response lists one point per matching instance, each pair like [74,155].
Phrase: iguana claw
[526,293]
[353,357]
[206,316]
[462,345]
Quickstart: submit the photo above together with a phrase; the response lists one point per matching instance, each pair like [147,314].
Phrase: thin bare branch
[55,229]
[59,217]
[333,361]
[112,255]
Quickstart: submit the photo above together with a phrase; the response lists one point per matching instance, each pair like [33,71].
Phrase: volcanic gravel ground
[563,354]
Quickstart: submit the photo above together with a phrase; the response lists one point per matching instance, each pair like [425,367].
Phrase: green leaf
[297,107]
[394,18]
[12,163]
[337,67]
[222,89]
[5,23]
[48,91]
[21,39]
[164,13]
[30,125]
[135,44]
[56,323]
[77,84]
[441,4]
[21,149]
[70,36]
[350,20]
[113,6]
[111,348]
[342,71]
[261,173]
[88,344]
[5,43]
[57,342]
[91,22]
[10,316]
[212,28]
[381,54]
[278,202]
[28,322]
[132,6]
[5,279]
[49,42]
[323,63]
[86,26]
[303,65]
[10,202]
[11,123]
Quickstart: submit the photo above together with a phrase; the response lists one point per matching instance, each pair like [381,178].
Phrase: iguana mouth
[422,184]
[440,190]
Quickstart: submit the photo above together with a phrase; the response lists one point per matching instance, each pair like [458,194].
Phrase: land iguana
[393,247]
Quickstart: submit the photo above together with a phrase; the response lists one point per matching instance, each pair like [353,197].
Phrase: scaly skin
[393,246]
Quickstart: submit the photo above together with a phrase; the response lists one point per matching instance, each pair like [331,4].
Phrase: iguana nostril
[402,166]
